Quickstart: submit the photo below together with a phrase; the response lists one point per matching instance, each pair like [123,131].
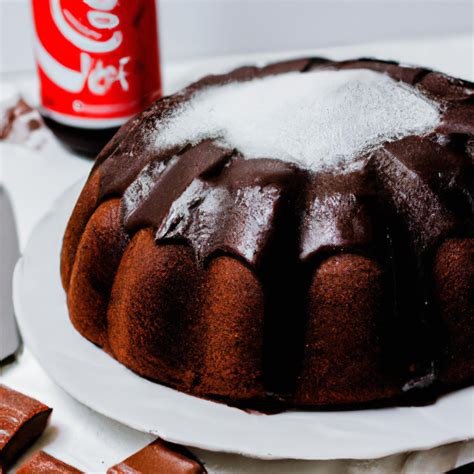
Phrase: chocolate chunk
[22,420]
[160,457]
[18,121]
[42,462]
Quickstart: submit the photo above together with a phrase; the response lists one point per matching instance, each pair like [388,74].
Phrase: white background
[195,28]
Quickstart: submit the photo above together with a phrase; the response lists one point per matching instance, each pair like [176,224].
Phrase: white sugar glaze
[320,119]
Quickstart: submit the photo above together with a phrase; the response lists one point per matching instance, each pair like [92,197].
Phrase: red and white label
[98,60]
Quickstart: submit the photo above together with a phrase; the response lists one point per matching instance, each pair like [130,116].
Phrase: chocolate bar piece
[43,462]
[160,457]
[18,121]
[22,420]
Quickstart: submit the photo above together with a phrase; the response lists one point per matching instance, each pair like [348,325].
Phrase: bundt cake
[299,233]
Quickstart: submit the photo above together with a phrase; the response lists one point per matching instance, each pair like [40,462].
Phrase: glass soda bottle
[98,65]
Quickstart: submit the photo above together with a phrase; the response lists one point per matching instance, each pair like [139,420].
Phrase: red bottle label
[98,60]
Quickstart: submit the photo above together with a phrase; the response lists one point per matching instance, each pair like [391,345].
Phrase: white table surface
[38,171]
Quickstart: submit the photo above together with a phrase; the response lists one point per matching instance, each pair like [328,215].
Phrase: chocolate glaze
[405,198]
[22,420]
[339,213]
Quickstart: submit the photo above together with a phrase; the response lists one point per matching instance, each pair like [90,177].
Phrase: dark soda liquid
[87,142]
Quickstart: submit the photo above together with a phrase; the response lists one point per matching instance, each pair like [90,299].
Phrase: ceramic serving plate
[101,383]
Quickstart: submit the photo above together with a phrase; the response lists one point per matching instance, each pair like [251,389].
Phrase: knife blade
[9,254]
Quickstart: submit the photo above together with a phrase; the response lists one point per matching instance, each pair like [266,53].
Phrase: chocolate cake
[297,233]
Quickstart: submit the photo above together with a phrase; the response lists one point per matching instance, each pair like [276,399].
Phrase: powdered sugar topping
[321,119]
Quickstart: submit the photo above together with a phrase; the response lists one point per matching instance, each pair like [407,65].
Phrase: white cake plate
[101,383]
